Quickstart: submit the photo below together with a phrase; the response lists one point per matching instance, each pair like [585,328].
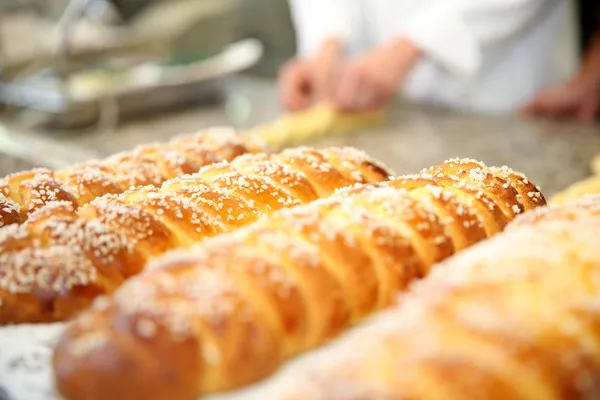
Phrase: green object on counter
[188,58]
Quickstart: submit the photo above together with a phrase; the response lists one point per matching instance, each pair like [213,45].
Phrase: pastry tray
[26,372]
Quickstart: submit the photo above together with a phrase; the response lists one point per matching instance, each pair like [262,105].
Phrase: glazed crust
[62,257]
[230,311]
[151,164]
[515,317]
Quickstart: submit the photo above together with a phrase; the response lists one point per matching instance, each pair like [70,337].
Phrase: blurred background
[83,79]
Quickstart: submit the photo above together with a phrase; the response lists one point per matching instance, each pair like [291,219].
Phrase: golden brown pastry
[583,207]
[515,317]
[9,211]
[61,258]
[146,165]
[232,310]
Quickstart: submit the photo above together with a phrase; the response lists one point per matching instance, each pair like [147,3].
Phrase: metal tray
[19,152]
[171,86]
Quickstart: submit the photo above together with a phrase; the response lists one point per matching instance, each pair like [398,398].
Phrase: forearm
[331,50]
[326,63]
[397,57]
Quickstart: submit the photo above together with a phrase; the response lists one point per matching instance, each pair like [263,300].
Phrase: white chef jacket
[479,55]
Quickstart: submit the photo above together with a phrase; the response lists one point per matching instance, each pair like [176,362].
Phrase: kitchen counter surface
[552,154]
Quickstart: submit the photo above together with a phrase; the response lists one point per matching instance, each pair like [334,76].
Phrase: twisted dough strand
[151,164]
[234,309]
[54,264]
[515,317]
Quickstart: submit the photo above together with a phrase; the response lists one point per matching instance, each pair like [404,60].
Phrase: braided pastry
[146,165]
[56,262]
[232,310]
[515,317]
[9,211]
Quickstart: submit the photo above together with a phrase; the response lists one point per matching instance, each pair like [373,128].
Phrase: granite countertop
[552,154]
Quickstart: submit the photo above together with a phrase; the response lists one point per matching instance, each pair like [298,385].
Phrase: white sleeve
[316,20]
[456,33]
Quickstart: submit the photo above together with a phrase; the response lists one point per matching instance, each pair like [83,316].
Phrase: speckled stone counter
[552,154]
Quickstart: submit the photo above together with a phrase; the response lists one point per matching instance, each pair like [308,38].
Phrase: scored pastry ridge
[150,164]
[112,237]
[230,311]
[511,318]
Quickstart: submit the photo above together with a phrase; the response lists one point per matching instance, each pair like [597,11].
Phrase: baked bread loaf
[515,317]
[55,263]
[146,165]
[232,310]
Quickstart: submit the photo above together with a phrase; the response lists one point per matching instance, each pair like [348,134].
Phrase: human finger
[294,86]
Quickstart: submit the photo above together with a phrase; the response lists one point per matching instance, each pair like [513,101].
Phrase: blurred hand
[304,82]
[577,99]
[370,82]
[296,85]
[363,86]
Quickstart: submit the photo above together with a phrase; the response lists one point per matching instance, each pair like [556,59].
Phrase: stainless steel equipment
[174,53]
[20,152]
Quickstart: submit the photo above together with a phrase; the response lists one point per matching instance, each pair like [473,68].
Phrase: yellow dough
[300,127]
[589,185]
[595,164]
